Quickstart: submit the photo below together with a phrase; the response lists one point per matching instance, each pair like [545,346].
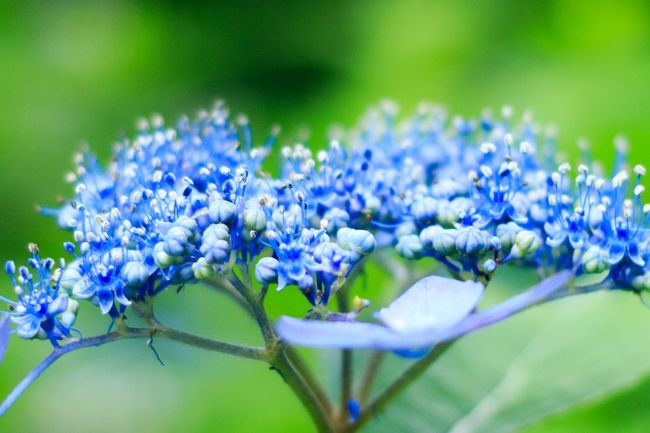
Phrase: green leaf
[534,365]
[627,411]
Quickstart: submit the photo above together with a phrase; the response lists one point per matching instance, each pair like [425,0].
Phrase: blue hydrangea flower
[43,309]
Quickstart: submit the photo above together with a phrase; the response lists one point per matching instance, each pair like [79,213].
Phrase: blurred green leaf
[547,360]
[626,411]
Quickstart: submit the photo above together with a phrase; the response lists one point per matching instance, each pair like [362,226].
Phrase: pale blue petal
[322,333]
[354,335]
[58,306]
[29,328]
[415,320]
[634,253]
[4,336]
[432,304]
[616,252]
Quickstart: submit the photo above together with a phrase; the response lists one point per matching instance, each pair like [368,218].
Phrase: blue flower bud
[595,260]
[215,250]
[507,233]
[69,316]
[359,241]
[255,218]
[488,266]
[162,258]
[424,210]
[202,269]
[69,247]
[10,268]
[526,242]
[409,247]
[470,241]
[447,215]
[222,211]
[266,270]
[406,228]
[135,274]
[441,240]
[177,241]
[337,219]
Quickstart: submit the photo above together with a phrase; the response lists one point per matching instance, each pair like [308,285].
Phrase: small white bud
[638,190]
[555,177]
[590,180]
[618,180]
[488,148]
[324,224]
[487,171]
[81,188]
[564,168]
[639,169]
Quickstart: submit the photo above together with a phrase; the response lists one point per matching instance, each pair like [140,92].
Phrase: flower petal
[634,253]
[105,299]
[616,252]
[58,306]
[29,328]
[322,333]
[432,304]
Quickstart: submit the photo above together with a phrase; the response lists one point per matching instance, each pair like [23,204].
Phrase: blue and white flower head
[43,309]
[191,202]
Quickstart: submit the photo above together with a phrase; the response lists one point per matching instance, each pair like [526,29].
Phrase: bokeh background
[75,72]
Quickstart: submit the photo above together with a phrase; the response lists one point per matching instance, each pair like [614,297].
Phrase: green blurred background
[73,72]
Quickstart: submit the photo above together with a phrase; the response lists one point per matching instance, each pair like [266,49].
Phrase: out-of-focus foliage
[84,71]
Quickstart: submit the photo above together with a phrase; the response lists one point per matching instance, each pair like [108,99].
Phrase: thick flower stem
[288,362]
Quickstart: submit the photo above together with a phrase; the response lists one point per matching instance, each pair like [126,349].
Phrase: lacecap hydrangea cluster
[182,203]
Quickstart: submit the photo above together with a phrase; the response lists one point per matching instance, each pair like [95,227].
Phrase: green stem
[393,390]
[210,344]
[288,363]
[305,372]
[342,297]
[319,413]
[369,375]
[125,332]
[251,298]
